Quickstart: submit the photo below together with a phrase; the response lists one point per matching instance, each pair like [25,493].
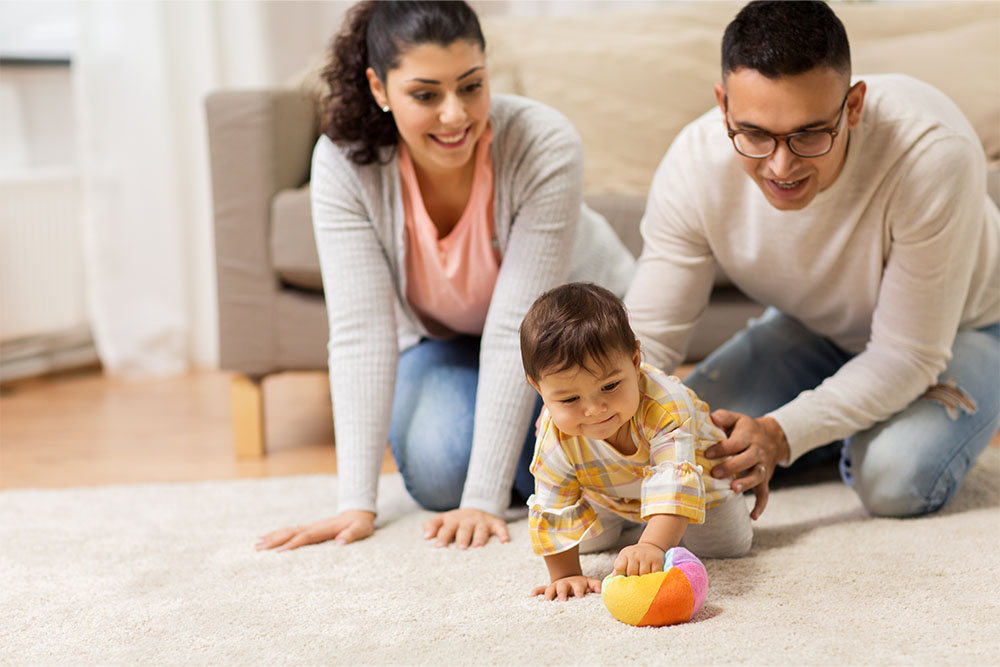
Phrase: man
[859,215]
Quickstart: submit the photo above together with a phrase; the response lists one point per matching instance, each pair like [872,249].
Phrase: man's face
[808,101]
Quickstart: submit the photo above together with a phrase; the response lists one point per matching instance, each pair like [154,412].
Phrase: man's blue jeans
[908,465]
[432,418]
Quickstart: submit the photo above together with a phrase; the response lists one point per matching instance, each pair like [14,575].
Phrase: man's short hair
[784,38]
[571,325]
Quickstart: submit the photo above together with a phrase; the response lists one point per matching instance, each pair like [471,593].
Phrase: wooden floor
[85,429]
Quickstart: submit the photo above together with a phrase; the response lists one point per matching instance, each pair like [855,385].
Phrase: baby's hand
[575,586]
[641,558]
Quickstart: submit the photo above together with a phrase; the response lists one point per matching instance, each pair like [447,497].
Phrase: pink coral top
[450,280]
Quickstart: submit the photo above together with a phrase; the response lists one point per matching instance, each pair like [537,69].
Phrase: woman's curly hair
[375,34]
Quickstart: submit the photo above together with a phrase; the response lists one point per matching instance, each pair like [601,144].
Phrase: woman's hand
[755,447]
[344,528]
[573,586]
[467,527]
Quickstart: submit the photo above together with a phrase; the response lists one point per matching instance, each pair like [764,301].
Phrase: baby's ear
[637,355]
[534,385]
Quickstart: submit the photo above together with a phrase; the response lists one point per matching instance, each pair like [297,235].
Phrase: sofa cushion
[628,81]
[293,246]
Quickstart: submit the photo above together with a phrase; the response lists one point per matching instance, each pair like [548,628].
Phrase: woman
[440,213]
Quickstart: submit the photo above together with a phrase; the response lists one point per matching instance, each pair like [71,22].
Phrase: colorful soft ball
[659,598]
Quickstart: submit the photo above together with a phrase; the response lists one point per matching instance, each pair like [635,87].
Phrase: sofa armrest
[259,142]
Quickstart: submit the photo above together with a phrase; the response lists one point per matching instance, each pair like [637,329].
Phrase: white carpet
[167,574]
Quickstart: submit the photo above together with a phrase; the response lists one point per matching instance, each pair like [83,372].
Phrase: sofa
[629,79]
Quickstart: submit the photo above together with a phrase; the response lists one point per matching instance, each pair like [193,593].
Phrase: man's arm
[674,275]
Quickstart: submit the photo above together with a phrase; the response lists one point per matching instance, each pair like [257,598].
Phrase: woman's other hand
[344,528]
[466,527]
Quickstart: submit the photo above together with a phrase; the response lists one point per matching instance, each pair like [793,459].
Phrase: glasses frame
[778,138]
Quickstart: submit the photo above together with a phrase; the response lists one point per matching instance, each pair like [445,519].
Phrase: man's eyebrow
[802,128]
[435,82]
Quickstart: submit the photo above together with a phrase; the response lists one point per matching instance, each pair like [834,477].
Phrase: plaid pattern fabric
[668,474]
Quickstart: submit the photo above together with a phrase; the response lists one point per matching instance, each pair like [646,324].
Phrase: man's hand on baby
[344,528]
[755,446]
[576,586]
[641,558]
[466,527]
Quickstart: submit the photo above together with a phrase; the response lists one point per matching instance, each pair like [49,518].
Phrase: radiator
[43,314]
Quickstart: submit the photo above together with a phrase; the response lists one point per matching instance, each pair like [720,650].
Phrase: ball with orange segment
[659,598]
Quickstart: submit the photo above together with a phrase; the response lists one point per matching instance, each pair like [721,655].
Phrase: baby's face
[597,400]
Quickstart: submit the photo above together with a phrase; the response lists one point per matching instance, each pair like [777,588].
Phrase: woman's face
[440,99]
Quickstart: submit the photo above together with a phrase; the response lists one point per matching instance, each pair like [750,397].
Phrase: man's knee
[896,488]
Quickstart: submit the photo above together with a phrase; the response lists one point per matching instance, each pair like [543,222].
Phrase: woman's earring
[385,108]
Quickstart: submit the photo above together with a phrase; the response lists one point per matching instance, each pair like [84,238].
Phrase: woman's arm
[539,167]
[363,349]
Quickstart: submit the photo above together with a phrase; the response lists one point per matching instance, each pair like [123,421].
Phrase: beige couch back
[630,80]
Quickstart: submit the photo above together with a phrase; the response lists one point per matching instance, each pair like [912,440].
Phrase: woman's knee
[433,469]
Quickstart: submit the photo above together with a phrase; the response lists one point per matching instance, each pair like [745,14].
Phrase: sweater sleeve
[559,517]
[673,279]
[924,287]
[542,162]
[363,350]
[673,482]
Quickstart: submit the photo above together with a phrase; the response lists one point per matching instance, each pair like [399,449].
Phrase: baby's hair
[571,325]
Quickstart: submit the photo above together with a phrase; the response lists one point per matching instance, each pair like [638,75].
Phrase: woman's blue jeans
[432,418]
[907,465]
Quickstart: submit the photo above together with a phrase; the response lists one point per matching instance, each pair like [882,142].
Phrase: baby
[618,441]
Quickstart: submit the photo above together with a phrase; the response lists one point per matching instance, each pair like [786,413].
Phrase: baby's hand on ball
[641,558]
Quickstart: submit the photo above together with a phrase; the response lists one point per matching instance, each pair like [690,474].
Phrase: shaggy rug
[167,574]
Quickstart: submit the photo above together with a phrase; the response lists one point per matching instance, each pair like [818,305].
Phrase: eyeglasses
[758,144]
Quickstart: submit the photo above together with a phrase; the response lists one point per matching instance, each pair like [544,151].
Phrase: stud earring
[385,108]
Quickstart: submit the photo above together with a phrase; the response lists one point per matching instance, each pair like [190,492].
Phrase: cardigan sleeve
[363,351]
[540,173]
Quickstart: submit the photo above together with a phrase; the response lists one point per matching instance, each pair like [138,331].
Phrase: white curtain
[141,72]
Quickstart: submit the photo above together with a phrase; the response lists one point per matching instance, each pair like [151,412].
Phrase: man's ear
[377,87]
[855,103]
[720,99]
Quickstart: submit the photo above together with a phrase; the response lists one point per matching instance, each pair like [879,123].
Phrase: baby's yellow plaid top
[668,474]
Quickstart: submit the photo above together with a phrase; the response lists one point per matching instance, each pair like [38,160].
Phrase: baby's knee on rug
[726,533]
[736,545]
